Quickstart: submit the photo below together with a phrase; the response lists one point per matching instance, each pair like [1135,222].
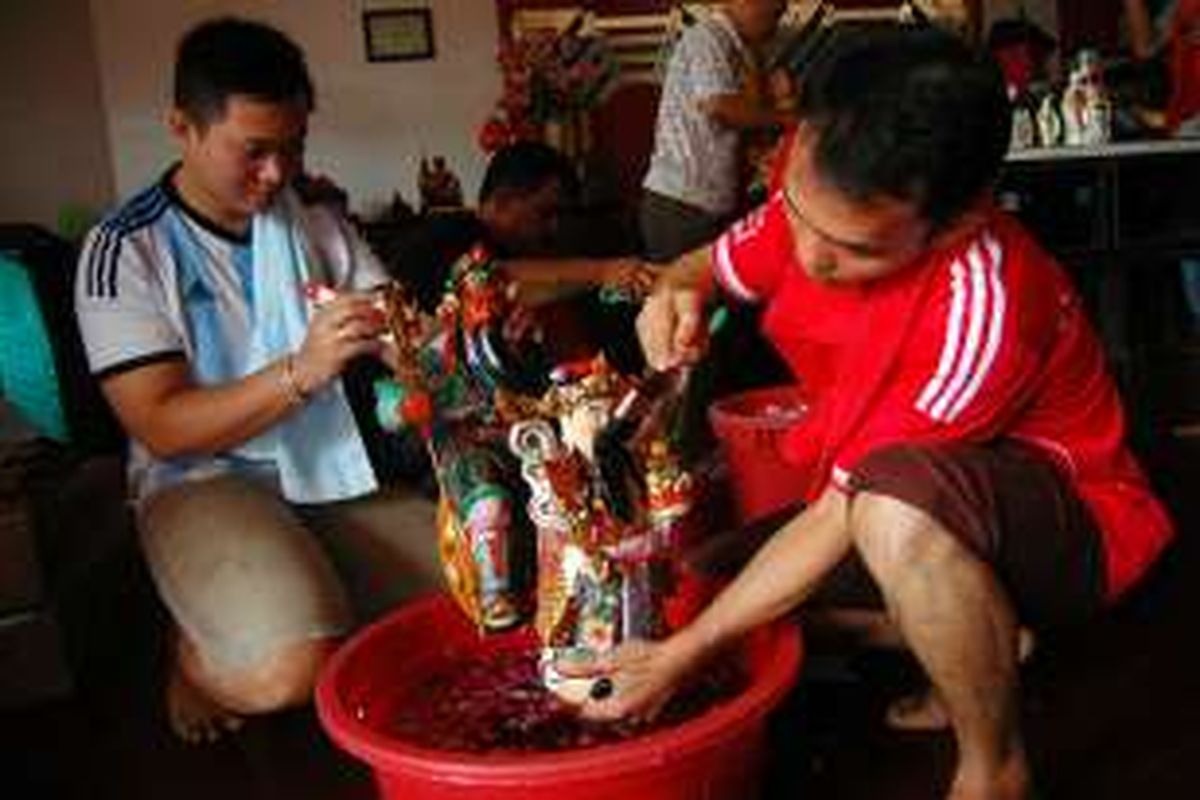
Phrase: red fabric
[1019,62]
[982,340]
[1184,63]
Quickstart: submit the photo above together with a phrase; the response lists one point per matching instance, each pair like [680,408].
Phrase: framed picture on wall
[399,35]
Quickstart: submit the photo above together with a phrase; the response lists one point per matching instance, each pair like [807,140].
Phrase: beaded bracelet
[296,394]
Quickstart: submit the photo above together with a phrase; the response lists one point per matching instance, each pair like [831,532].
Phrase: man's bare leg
[925,711]
[961,628]
[203,703]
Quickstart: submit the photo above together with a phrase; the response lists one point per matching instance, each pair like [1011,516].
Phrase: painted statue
[448,384]
[562,498]
[608,509]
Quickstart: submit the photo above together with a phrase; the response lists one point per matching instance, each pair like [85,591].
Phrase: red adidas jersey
[981,340]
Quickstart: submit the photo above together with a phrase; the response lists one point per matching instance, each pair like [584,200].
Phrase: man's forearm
[785,571]
[1141,34]
[743,113]
[692,270]
[545,279]
[159,406]
[562,272]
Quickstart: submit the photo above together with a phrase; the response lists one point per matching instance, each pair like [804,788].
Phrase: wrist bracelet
[291,384]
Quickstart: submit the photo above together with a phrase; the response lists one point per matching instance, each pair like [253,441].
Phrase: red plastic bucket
[717,755]
[750,428]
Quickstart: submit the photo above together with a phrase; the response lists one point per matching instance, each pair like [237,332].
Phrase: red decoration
[546,76]
[417,410]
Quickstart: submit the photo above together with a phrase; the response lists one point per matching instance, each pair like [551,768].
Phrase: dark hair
[230,56]
[915,115]
[526,167]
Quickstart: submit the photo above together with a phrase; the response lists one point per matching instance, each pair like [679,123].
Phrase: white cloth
[317,451]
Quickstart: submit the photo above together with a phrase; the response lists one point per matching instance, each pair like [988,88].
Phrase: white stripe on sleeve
[999,303]
[958,301]
[974,330]
[726,273]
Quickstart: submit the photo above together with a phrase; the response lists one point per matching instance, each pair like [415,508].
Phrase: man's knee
[893,536]
[890,512]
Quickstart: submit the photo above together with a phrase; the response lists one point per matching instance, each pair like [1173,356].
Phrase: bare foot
[194,716]
[1010,781]
[922,711]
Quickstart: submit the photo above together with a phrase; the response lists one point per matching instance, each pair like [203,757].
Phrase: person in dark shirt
[523,191]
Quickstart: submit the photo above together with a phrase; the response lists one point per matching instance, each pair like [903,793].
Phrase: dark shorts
[1010,505]
[670,227]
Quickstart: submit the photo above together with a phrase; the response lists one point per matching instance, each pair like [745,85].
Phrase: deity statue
[438,186]
[447,384]
[561,495]
[608,511]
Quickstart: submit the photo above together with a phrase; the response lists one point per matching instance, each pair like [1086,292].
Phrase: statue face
[583,422]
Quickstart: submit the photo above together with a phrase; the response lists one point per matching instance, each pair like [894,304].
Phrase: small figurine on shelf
[1049,121]
[438,186]
[1024,127]
[1086,110]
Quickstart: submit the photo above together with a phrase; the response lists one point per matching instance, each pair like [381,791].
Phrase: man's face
[526,221]
[234,166]
[842,240]
[758,18]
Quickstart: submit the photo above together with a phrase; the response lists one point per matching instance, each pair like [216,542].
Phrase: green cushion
[28,379]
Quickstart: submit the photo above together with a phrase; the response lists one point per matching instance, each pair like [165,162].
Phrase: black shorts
[1009,504]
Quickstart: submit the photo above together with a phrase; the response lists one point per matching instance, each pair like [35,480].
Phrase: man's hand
[642,677]
[630,276]
[342,328]
[671,327]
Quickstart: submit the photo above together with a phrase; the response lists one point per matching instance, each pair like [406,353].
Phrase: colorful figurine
[602,578]
[445,385]
[561,493]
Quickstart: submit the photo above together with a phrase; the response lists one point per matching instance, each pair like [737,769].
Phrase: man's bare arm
[785,571]
[163,407]
[742,112]
[545,279]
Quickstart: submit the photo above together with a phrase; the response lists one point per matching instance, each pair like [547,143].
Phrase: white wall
[374,120]
[53,141]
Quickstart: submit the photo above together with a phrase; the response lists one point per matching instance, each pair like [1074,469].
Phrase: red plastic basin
[717,755]
[750,428]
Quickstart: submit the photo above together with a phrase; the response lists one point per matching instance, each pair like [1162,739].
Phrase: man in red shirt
[965,443]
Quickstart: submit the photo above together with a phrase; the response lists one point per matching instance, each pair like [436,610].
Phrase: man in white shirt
[691,190]
[255,503]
